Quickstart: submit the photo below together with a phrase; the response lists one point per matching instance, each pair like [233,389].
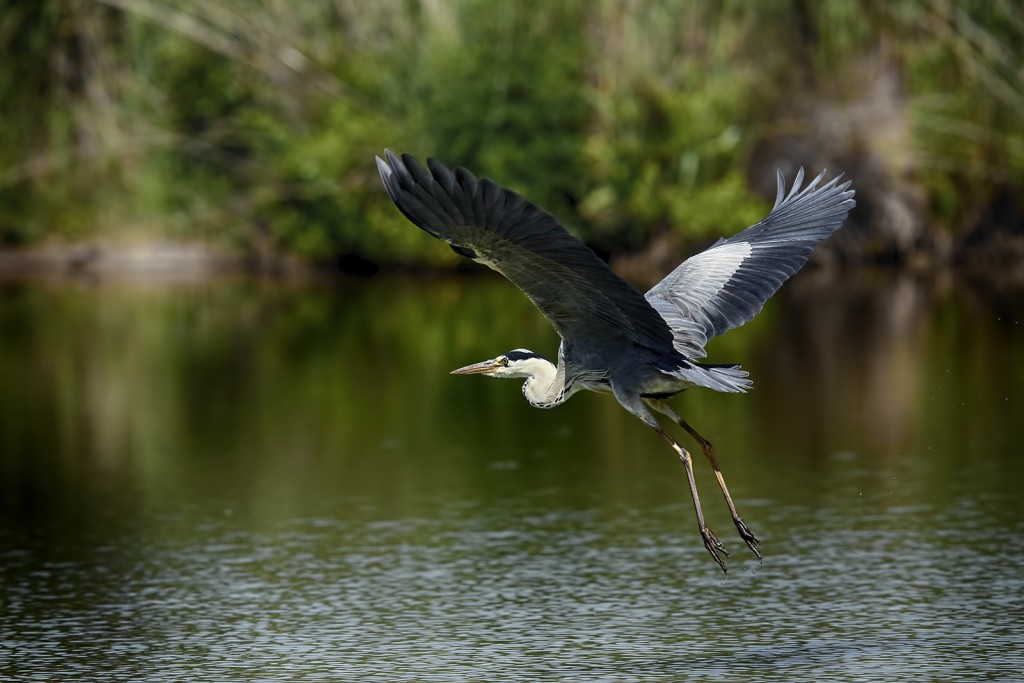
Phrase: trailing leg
[709,452]
[635,404]
[711,542]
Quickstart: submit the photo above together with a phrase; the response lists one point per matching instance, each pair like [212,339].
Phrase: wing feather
[727,284]
[577,292]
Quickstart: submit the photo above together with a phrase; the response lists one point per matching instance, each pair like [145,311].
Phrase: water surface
[254,481]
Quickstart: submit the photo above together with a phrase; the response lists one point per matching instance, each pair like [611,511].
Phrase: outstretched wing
[727,284]
[574,289]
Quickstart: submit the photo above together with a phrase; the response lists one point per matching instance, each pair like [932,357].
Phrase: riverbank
[159,259]
[999,261]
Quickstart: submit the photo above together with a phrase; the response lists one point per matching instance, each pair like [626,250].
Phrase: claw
[748,536]
[715,547]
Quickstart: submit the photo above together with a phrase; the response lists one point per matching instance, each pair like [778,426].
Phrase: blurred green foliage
[254,124]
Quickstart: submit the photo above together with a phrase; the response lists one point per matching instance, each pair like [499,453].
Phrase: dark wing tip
[386,175]
[391,161]
[441,173]
[832,188]
[394,173]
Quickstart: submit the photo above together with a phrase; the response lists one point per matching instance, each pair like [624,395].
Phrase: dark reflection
[264,480]
[882,348]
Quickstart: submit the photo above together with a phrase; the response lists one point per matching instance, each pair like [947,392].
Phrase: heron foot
[748,536]
[715,547]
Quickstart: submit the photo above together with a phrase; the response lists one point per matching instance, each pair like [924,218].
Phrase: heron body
[643,348]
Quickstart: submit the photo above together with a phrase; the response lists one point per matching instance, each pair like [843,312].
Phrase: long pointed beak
[477,368]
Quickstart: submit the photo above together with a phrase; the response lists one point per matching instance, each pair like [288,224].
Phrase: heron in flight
[643,348]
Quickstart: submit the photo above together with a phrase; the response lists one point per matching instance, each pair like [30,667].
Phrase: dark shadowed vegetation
[251,126]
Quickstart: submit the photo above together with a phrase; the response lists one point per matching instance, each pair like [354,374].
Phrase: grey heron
[643,348]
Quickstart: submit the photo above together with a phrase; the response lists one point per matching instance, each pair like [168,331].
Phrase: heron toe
[715,547]
[748,536]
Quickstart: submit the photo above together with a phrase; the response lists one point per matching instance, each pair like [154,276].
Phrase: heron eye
[504,361]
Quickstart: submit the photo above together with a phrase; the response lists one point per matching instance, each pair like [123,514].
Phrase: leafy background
[251,126]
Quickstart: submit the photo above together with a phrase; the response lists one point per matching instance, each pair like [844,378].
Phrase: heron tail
[728,378]
[725,378]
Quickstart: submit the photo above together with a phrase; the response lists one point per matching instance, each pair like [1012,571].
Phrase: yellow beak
[478,368]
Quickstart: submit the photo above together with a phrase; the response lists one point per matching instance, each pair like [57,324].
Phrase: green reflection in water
[264,465]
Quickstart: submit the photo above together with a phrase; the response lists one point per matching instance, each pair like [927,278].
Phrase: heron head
[518,363]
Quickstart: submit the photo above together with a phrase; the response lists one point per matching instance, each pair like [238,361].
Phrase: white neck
[545,385]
